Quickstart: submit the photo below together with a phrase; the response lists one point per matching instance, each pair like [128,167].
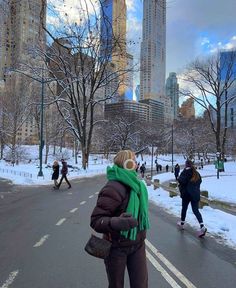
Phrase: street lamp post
[218,162]
[152,162]
[172,148]
[40,173]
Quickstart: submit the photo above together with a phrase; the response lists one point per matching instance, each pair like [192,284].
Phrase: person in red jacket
[64,172]
[121,214]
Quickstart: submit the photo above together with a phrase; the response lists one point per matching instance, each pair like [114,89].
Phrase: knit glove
[124,222]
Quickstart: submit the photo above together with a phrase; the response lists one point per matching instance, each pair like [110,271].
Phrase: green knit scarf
[138,201]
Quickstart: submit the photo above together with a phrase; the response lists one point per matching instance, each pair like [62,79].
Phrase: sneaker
[180,225]
[202,232]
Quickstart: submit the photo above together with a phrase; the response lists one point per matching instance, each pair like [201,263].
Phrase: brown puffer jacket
[112,202]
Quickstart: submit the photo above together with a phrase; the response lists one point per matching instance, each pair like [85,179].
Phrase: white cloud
[231,44]
[205,41]
[70,10]
[131,5]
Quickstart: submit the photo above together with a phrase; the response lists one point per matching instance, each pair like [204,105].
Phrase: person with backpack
[121,214]
[189,186]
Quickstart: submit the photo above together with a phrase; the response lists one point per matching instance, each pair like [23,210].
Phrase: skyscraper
[113,39]
[153,50]
[187,109]
[227,73]
[21,30]
[172,91]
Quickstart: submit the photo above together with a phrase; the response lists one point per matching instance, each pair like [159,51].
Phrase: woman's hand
[124,222]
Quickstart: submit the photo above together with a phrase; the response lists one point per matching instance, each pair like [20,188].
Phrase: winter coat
[55,174]
[177,169]
[112,202]
[142,169]
[64,169]
[188,187]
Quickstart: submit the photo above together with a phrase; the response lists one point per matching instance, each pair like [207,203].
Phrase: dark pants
[185,201]
[64,177]
[132,257]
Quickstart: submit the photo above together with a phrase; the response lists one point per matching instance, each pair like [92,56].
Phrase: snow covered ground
[218,223]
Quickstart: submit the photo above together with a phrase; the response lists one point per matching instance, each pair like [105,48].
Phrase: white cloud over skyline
[194,28]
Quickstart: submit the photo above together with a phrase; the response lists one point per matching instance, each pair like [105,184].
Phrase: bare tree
[85,75]
[211,83]
[120,133]
[193,137]
[14,112]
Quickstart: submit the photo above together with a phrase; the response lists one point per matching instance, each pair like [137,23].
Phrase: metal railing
[14,172]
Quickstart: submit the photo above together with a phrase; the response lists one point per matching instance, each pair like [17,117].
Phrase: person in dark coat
[177,170]
[189,186]
[202,163]
[167,168]
[55,174]
[64,172]
[121,214]
[142,170]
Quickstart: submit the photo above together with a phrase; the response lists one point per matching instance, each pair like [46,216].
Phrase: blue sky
[194,28]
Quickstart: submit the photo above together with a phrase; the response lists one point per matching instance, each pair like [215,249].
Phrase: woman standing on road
[121,214]
[189,186]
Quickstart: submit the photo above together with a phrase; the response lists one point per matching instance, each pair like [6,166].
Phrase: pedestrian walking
[137,167]
[142,170]
[189,186]
[167,168]
[202,163]
[121,214]
[55,174]
[177,170]
[64,172]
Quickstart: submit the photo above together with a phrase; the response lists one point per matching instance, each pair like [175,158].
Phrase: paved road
[43,232]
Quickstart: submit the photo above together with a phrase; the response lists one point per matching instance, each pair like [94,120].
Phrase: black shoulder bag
[98,247]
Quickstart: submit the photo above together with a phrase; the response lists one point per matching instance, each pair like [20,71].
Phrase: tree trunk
[76,151]
[54,149]
[46,154]
[85,157]
[1,150]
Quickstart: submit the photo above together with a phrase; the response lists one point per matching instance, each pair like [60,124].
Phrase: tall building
[153,50]
[4,12]
[113,39]
[187,109]
[132,110]
[156,111]
[228,75]
[172,91]
[21,31]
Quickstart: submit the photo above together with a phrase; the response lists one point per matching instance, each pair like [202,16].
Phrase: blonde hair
[125,159]
[55,162]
